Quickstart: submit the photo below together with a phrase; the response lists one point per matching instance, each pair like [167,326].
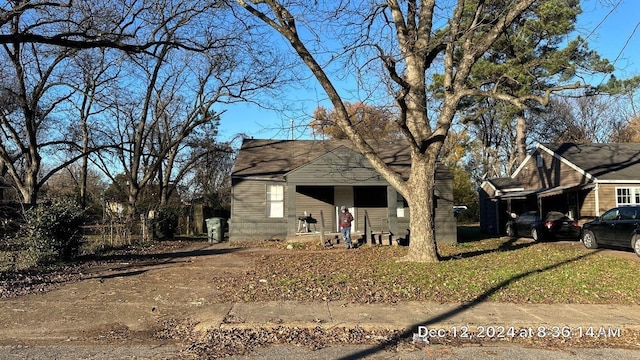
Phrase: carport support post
[539,202]
[322,239]
[392,211]
[292,218]
[368,231]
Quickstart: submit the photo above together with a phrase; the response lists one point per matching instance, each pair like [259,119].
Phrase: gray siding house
[275,183]
[580,180]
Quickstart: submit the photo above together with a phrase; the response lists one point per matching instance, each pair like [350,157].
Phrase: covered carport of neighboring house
[495,209]
[567,199]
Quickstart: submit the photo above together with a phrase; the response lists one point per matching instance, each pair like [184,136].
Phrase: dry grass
[496,269]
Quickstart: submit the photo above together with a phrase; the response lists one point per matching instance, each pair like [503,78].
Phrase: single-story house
[276,183]
[580,180]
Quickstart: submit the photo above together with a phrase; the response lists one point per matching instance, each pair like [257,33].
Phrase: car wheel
[589,240]
[535,234]
[510,232]
[636,245]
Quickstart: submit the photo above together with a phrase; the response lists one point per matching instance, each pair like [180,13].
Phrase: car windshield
[555,215]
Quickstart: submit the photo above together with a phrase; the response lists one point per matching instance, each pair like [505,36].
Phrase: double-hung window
[275,201]
[627,196]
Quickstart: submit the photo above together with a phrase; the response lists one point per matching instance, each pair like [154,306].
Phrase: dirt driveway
[130,300]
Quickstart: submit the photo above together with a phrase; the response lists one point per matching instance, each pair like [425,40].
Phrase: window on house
[275,201]
[627,196]
[401,204]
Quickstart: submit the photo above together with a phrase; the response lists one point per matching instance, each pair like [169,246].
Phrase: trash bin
[215,229]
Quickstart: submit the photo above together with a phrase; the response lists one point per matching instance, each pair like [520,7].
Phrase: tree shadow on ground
[408,334]
[205,250]
[149,260]
[471,232]
[509,245]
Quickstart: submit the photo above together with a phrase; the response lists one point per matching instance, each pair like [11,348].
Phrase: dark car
[616,227]
[555,225]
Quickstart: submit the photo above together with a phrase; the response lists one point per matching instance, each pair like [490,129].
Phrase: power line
[626,43]
[604,19]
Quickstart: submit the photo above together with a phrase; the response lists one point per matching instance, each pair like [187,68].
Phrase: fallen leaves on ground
[495,270]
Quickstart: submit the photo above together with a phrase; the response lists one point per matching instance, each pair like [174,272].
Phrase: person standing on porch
[345,220]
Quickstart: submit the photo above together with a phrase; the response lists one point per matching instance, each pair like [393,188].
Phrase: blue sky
[612,28]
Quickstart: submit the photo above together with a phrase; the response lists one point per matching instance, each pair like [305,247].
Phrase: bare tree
[410,40]
[70,181]
[152,127]
[83,24]
[40,40]
[155,123]
[584,119]
[210,177]
[32,93]
[97,71]
[63,56]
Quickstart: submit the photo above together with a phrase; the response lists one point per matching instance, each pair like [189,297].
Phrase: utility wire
[626,42]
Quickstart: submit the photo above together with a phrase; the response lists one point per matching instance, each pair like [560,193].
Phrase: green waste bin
[215,229]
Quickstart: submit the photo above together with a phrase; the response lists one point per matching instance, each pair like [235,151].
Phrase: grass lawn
[497,269]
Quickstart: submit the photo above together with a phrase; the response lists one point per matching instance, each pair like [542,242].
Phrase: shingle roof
[504,183]
[612,161]
[272,159]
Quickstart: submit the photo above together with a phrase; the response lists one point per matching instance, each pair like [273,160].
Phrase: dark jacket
[345,219]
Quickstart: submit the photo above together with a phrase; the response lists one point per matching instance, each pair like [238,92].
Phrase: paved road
[96,352]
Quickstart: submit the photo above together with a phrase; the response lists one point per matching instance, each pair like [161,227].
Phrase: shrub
[53,231]
[167,222]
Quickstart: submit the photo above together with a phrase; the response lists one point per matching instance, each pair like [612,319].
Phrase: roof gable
[504,184]
[273,159]
[341,164]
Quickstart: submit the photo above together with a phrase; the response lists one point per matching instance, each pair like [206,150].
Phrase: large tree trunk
[28,185]
[521,139]
[420,199]
[28,193]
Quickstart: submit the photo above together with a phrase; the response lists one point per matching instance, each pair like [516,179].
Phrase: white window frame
[400,209]
[275,201]
[627,196]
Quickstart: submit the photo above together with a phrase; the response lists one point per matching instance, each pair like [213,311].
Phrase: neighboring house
[580,180]
[275,182]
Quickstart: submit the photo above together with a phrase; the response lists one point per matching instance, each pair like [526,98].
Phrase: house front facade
[276,183]
[579,180]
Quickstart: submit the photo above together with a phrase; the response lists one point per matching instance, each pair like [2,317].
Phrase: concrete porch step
[377,238]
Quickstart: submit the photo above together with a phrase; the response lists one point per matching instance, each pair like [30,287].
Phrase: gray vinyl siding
[345,167]
[249,219]
[377,216]
[313,207]
[249,198]
[445,222]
